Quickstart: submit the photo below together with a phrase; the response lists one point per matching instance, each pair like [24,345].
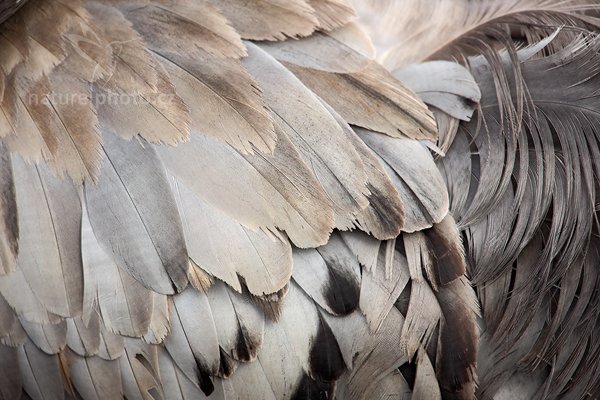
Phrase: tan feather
[344,50]
[332,13]
[306,122]
[160,117]
[373,99]
[270,19]
[224,100]
[183,26]
[134,70]
[255,194]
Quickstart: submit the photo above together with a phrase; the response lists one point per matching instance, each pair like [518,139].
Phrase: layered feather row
[188,214]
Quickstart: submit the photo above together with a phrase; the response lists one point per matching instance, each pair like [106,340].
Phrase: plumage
[196,355]
[40,372]
[425,199]
[304,121]
[9,228]
[95,378]
[121,213]
[259,259]
[347,231]
[343,50]
[83,338]
[330,275]
[375,100]
[10,381]
[270,19]
[50,256]
[123,304]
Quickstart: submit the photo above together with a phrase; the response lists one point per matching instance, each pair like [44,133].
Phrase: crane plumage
[276,199]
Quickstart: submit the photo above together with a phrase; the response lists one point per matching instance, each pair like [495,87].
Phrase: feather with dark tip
[240,324]
[330,275]
[121,212]
[196,355]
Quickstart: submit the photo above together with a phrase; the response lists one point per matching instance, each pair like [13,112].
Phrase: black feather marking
[342,293]
[389,216]
[326,361]
[204,378]
[227,365]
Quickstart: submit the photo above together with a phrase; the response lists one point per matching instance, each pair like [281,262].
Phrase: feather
[384,216]
[365,247]
[448,86]
[458,340]
[40,372]
[174,382]
[439,29]
[330,275]
[378,292]
[95,378]
[183,27]
[393,386]
[196,355]
[299,354]
[9,226]
[426,385]
[134,71]
[240,325]
[343,50]
[139,371]
[249,381]
[377,357]
[10,373]
[124,305]
[447,253]
[7,318]
[420,184]
[422,318]
[62,108]
[111,346]
[270,19]
[224,100]
[51,339]
[49,215]
[20,296]
[165,120]
[82,339]
[332,13]
[258,196]
[305,121]
[159,327]
[374,100]
[143,233]
[262,260]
